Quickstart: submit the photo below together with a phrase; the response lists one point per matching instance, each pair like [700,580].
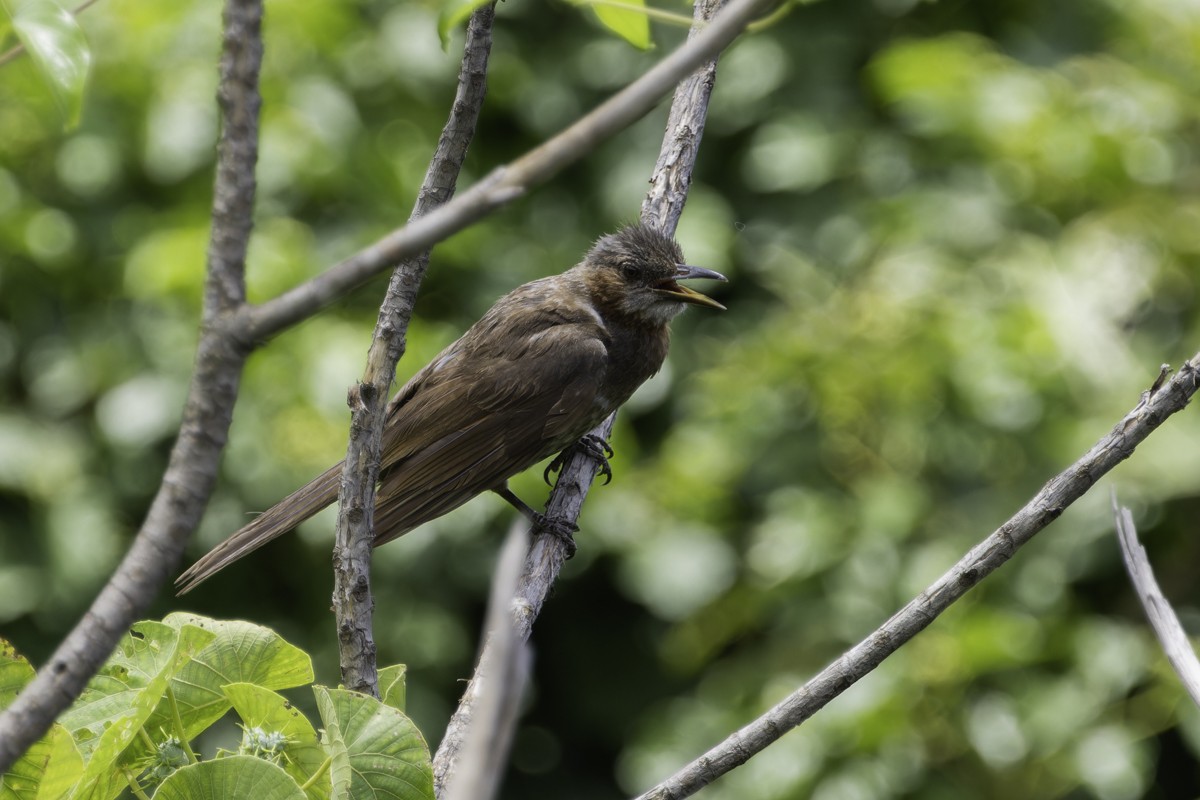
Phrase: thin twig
[1046,506]
[506,183]
[352,601]
[662,207]
[1162,617]
[192,468]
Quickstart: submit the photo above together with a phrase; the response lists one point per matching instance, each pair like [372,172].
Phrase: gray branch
[1046,506]
[192,468]
[503,667]
[1162,617]
[662,207]
[352,599]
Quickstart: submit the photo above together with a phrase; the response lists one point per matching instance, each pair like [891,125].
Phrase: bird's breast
[634,355]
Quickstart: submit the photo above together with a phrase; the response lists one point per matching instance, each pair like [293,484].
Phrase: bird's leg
[591,444]
[558,528]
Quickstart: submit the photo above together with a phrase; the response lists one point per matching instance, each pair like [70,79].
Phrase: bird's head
[635,273]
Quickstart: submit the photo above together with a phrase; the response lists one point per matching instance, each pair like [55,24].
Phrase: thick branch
[191,471]
[352,600]
[1045,507]
[662,207]
[505,183]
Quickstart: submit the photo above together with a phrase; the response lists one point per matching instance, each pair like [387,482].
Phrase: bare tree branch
[192,468]
[352,600]
[1162,617]
[662,208]
[504,183]
[503,670]
[672,176]
[1045,507]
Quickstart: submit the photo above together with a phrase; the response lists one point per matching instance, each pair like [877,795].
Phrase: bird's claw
[591,444]
[558,528]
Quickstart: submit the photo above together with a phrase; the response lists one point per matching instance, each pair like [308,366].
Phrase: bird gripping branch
[544,365]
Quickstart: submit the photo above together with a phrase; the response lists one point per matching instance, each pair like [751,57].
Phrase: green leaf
[15,673]
[302,756]
[631,24]
[121,698]
[225,778]
[377,751]
[453,14]
[47,771]
[393,682]
[241,652]
[58,47]
[52,765]
[63,763]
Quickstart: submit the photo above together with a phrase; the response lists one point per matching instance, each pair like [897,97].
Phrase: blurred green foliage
[961,238]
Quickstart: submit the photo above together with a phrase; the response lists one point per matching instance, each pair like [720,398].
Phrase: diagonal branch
[661,208]
[1163,619]
[987,556]
[352,601]
[505,183]
[192,468]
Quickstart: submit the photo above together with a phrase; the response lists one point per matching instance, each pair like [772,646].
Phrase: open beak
[685,272]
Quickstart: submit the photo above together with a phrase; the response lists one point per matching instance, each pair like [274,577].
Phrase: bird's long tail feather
[272,523]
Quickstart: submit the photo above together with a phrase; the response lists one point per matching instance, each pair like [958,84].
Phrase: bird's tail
[274,522]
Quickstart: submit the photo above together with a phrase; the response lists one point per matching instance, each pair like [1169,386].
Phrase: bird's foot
[591,444]
[558,528]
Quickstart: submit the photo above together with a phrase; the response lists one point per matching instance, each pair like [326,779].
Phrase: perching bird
[546,364]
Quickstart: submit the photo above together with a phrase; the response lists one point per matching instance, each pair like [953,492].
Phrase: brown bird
[546,364]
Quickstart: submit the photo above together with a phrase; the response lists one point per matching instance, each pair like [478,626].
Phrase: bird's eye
[629,270]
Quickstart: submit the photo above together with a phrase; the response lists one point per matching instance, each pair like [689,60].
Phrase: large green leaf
[47,771]
[62,765]
[57,45]
[228,778]
[377,751]
[120,699]
[241,652]
[265,711]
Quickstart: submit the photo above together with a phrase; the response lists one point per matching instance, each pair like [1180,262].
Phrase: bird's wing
[471,425]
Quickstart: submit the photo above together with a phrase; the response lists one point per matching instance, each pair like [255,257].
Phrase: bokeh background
[961,238]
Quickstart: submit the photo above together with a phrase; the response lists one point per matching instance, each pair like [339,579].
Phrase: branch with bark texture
[662,207]
[192,467]
[353,603]
[1064,489]
[1163,619]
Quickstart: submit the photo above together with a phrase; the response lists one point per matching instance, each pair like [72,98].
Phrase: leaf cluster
[170,683]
